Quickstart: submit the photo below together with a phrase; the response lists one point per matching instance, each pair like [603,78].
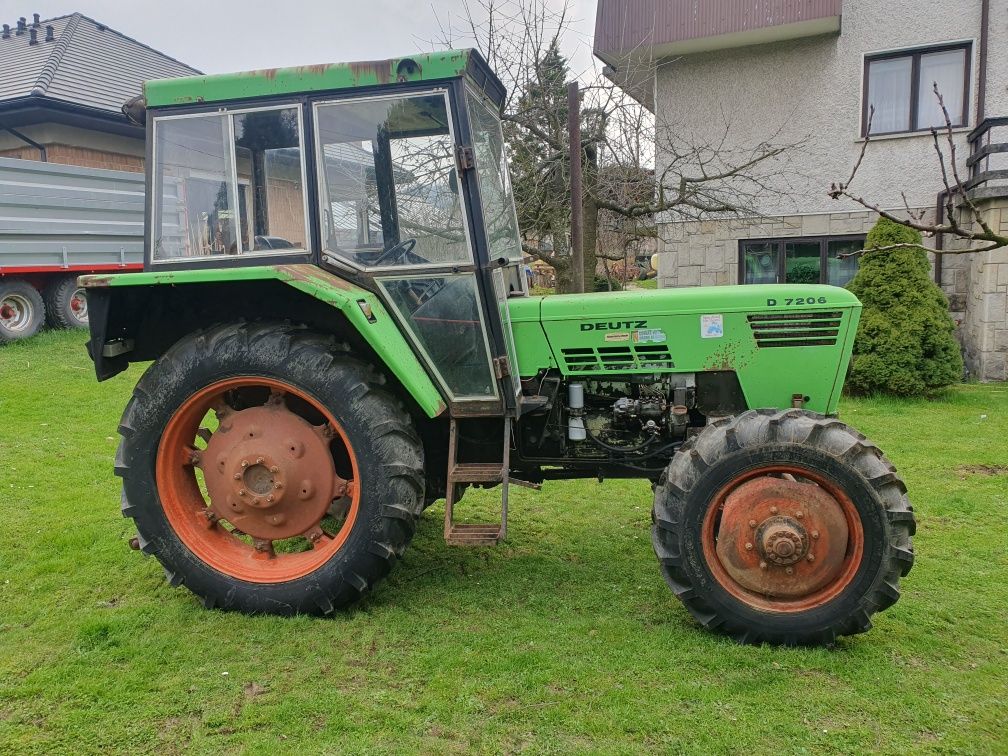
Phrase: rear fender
[138,316]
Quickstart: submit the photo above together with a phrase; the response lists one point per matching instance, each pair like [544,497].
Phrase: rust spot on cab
[312,275]
[315,70]
[94,282]
[379,69]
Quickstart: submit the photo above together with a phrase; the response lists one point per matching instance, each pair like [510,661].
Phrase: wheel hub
[782,538]
[270,473]
[15,312]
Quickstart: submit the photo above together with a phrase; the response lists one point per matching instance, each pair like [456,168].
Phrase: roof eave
[33,109]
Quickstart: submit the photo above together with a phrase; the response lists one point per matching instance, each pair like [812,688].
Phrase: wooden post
[576,186]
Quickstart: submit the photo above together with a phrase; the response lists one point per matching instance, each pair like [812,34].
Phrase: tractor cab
[390,175]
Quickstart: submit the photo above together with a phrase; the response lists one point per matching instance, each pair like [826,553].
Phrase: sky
[217,36]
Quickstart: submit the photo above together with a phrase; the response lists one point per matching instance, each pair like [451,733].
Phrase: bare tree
[624,197]
[955,191]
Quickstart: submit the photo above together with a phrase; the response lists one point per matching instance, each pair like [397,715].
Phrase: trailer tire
[66,303]
[22,311]
[381,442]
[735,491]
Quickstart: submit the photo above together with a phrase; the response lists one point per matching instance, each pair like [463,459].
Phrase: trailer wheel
[784,527]
[268,471]
[22,311]
[66,304]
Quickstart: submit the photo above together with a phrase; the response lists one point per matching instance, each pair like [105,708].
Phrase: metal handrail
[981,148]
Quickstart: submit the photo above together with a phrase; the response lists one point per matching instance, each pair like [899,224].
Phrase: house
[63,82]
[806,73]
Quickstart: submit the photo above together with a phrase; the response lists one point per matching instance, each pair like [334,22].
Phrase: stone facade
[706,253]
[984,326]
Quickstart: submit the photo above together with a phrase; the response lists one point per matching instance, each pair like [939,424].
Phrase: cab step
[475,534]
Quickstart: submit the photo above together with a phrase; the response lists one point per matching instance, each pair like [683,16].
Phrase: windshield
[494,185]
[389,187]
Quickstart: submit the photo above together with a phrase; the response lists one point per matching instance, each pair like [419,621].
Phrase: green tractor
[335,303]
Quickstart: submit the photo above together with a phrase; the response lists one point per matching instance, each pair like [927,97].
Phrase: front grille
[792,329]
[617,358]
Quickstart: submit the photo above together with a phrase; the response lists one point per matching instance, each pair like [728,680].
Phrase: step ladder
[476,534]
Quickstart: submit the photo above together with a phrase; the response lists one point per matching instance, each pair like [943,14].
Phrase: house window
[900,87]
[799,260]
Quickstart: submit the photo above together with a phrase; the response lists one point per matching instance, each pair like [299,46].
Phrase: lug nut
[774,510]
[799,514]
[815,533]
[244,463]
[269,498]
[241,491]
[810,557]
[237,476]
[274,469]
[789,571]
[259,460]
[762,565]
[748,547]
[278,485]
[752,523]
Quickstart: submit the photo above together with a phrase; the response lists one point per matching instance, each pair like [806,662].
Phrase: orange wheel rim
[783,538]
[253,465]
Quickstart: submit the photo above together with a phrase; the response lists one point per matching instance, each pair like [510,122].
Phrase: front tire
[268,471]
[784,527]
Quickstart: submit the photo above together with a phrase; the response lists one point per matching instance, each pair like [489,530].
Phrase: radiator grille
[617,358]
[793,329]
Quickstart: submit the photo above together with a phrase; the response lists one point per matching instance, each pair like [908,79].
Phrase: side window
[229,184]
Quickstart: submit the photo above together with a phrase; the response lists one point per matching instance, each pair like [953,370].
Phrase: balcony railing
[988,160]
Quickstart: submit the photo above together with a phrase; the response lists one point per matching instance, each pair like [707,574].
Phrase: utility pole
[576,185]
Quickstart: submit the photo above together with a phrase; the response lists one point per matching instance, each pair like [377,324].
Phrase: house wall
[807,93]
[68,145]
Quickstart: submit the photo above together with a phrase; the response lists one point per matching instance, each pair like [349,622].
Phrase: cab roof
[277,82]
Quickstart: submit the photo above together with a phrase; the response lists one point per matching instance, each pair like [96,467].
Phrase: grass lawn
[564,639]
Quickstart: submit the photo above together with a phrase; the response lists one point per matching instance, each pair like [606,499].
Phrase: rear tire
[66,304]
[22,311]
[793,460]
[380,438]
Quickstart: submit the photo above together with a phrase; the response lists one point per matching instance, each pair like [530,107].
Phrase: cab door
[498,220]
[396,205]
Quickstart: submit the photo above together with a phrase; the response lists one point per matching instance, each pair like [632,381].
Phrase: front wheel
[785,527]
[268,470]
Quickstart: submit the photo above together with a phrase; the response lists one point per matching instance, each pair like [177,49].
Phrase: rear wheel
[784,527]
[66,304]
[22,311]
[268,471]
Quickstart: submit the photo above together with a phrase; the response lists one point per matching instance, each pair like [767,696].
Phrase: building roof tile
[86,63]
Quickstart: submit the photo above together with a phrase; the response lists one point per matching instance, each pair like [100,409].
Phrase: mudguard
[111,348]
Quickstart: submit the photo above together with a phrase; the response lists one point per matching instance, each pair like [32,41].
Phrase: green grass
[564,639]
[647,283]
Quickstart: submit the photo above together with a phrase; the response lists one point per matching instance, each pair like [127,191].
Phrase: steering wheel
[399,254]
